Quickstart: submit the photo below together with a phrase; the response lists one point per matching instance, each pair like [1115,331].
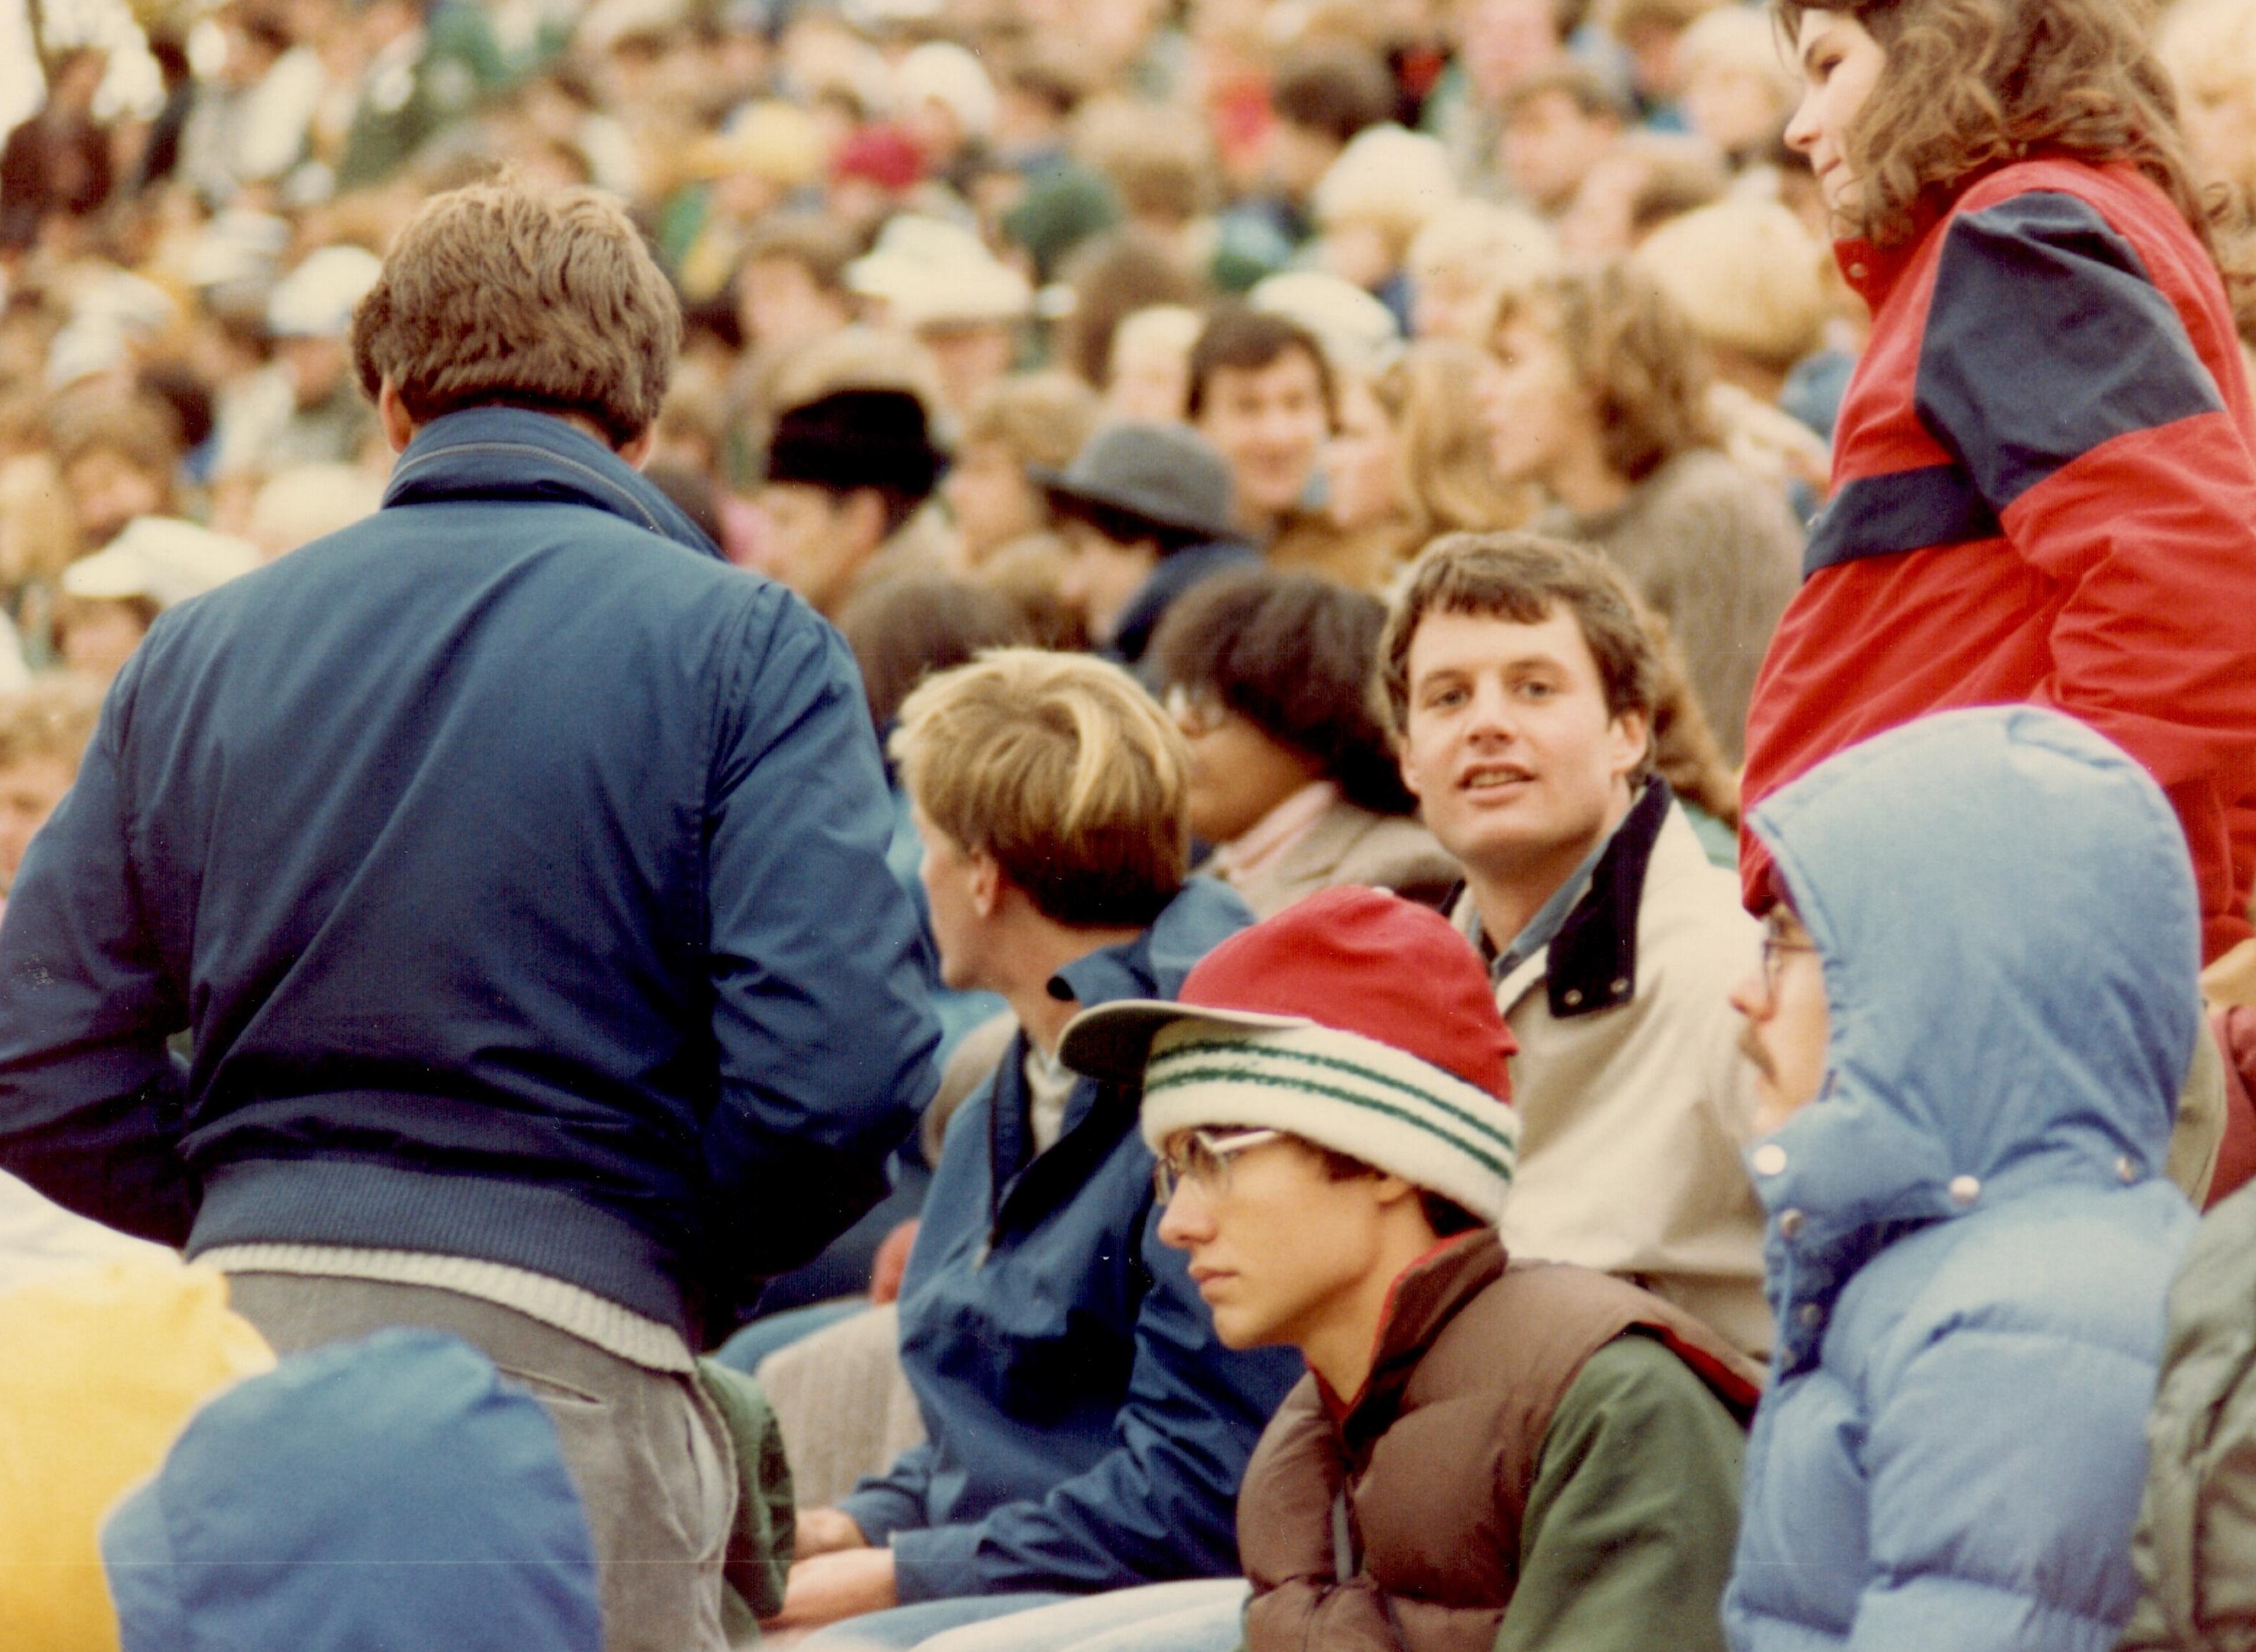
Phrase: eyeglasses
[1775,946]
[1196,711]
[1202,1157]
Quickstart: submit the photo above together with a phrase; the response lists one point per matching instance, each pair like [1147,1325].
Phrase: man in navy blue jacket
[1086,1430]
[516,868]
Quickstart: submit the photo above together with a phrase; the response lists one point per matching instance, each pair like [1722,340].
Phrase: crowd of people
[1005,825]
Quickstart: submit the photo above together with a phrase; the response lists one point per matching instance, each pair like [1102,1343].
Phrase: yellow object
[100,1369]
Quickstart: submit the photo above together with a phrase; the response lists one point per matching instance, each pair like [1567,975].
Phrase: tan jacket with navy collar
[1635,1101]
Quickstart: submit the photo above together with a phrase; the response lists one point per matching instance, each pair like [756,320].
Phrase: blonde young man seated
[1086,1427]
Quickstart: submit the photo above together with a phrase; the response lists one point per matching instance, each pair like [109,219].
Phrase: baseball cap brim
[1112,1042]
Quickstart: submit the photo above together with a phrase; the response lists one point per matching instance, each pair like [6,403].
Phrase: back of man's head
[506,293]
[1524,579]
[1064,770]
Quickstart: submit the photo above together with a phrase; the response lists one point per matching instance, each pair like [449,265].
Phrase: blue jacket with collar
[1086,1430]
[518,866]
[1971,1235]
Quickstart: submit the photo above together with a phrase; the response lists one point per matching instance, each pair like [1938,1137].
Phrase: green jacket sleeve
[1630,1524]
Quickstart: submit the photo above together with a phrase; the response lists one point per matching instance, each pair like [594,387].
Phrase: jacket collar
[1591,964]
[1419,1303]
[512,453]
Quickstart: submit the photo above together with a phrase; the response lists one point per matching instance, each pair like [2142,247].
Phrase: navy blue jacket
[1086,1430]
[519,867]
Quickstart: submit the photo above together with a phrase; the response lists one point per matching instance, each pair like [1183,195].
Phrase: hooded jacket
[387,1492]
[496,851]
[1969,1237]
[1085,1430]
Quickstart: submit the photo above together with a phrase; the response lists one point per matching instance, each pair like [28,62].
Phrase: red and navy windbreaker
[2044,489]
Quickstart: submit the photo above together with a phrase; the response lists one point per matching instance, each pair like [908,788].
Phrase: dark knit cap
[857,439]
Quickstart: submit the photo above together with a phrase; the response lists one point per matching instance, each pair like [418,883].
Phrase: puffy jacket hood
[381,1493]
[2004,910]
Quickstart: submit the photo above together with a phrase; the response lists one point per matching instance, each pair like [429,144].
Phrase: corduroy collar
[512,453]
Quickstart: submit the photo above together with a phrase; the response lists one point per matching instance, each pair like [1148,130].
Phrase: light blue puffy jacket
[1971,1238]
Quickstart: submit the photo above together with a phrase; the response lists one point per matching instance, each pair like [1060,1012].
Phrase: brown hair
[903,631]
[1238,338]
[54,716]
[506,293]
[1644,367]
[1526,578]
[142,429]
[1292,654]
[1064,770]
[1972,84]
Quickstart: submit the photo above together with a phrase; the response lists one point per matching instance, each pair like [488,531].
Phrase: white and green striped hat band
[1341,1091]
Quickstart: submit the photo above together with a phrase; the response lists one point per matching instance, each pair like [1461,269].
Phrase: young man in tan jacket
[1521,685]
[1484,1454]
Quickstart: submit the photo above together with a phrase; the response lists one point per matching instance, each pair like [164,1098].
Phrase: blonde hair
[54,717]
[38,531]
[1732,40]
[2209,46]
[1746,275]
[1395,180]
[1445,479]
[1065,771]
[1498,246]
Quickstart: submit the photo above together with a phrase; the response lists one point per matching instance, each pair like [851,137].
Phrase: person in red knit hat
[1483,1451]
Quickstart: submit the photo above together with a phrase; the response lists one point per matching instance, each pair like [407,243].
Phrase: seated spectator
[1556,127]
[111,598]
[1526,1456]
[1599,393]
[1293,779]
[1749,281]
[1035,419]
[1523,689]
[1148,374]
[1147,514]
[1412,448]
[1737,91]
[1385,186]
[847,475]
[1261,394]
[1087,1432]
[44,729]
[1463,254]
[390,1492]
[1971,1229]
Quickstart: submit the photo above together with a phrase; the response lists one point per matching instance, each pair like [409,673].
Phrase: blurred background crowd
[1399,268]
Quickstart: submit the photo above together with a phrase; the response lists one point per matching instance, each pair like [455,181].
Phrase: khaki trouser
[650,1455]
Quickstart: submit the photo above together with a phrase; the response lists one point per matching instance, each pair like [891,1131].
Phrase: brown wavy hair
[1632,350]
[1974,84]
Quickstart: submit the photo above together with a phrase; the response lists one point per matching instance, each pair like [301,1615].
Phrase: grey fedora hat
[1164,475]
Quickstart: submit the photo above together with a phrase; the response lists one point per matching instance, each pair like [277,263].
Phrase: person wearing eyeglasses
[1968,1037]
[1486,1452]
[1085,1427]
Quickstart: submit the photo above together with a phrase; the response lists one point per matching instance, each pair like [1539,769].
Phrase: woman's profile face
[1538,415]
[1359,460]
[1840,63]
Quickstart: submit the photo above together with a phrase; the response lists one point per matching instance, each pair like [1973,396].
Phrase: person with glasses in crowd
[1484,1451]
[1970,1229]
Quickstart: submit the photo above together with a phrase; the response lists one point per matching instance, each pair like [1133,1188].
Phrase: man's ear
[988,882]
[399,423]
[861,517]
[635,449]
[1391,1189]
[1400,743]
[1631,735]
